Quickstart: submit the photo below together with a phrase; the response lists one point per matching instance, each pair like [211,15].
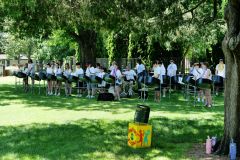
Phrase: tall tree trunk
[231,49]
[86,40]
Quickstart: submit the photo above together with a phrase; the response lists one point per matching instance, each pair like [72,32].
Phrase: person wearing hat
[220,71]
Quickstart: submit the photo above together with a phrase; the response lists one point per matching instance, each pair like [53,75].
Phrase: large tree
[231,48]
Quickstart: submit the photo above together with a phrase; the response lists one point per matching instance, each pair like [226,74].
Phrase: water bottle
[232,150]
[208,145]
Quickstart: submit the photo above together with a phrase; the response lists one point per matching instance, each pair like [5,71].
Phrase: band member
[49,71]
[58,71]
[54,81]
[91,87]
[130,75]
[112,66]
[101,75]
[207,75]
[25,80]
[140,72]
[159,71]
[197,73]
[172,69]
[118,81]
[97,69]
[31,70]
[79,71]
[68,85]
[220,71]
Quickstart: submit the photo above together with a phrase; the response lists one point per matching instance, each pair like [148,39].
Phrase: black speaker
[142,114]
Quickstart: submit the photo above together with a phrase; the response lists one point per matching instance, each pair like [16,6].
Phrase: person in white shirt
[31,70]
[159,71]
[172,69]
[58,71]
[101,75]
[197,73]
[220,71]
[25,80]
[118,81]
[91,87]
[130,75]
[54,80]
[141,71]
[207,74]
[112,66]
[49,72]
[79,72]
[68,85]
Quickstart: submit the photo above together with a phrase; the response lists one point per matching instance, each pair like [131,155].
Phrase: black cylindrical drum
[142,114]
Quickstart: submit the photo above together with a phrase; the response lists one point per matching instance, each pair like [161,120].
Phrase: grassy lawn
[40,127]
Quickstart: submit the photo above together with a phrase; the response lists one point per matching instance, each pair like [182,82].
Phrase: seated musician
[79,71]
[129,79]
[112,66]
[68,85]
[118,81]
[49,71]
[220,71]
[91,87]
[57,71]
[207,74]
[197,73]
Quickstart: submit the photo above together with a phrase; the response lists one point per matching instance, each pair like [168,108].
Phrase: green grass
[40,127]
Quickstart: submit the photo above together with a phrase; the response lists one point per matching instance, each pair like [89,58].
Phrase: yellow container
[139,135]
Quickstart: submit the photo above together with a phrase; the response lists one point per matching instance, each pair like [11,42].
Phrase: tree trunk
[86,40]
[231,49]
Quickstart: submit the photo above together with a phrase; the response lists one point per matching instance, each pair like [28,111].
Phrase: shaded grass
[177,125]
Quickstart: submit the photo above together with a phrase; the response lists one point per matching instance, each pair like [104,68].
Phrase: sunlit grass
[40,127]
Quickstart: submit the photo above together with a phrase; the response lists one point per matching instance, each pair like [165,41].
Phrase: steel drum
[60,77]
[73,78]
[109,78]
[217,80]
[82,78]
[20,74]
[204,83]
[51,77]
[188,79]
[42,75]
[152,81]
[99,79]
[36,77]
[165,81]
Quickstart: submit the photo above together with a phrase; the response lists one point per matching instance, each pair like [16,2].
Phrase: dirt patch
[198,153]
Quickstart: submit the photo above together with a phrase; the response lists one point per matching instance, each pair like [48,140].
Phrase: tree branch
[195,7]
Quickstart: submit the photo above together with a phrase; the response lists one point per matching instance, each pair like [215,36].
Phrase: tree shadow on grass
[177,104]
[96,139]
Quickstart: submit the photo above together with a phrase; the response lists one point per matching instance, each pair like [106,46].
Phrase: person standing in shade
[68,85]
[79,72]
[118,81]
[58,71]
[50,72]
[220,71]
[31,70]
[207,74]
[172,69]
[141,73]
[90,72]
